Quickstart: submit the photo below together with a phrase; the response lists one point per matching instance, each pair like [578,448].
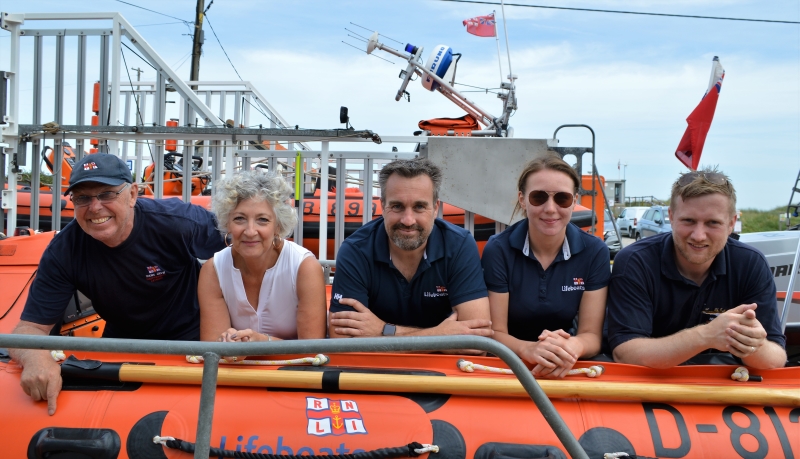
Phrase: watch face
[389,330]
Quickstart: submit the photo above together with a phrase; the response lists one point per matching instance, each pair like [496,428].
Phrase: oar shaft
[485,387]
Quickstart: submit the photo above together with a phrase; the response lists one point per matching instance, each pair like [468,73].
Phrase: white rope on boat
[58,356]
[318,360]
[741,374]
[469,367]
[162,440]
[427,449]
[615,455]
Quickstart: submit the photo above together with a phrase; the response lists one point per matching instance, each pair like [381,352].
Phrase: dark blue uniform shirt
[449,274]
[541,299]
[144,288]
[649,298]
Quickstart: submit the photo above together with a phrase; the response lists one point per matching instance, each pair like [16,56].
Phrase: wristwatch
[389,330]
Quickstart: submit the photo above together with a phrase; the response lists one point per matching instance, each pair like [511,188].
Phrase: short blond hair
[269,187]
[709,180]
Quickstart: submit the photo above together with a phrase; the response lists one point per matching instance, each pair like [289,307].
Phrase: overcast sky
[634,79]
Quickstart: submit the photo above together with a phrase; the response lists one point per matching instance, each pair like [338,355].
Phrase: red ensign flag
[691,146]
[482,26]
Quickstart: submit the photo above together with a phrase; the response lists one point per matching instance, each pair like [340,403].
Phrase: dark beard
[408,243]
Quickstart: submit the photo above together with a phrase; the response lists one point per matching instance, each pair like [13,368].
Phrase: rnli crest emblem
[333,417]
[155,273]
[89,166]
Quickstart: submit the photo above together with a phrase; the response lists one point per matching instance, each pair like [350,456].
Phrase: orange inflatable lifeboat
[113,405]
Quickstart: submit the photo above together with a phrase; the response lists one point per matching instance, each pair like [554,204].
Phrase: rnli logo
[89,166]
[155,273]
[577,284]
[440,290]
[333,417]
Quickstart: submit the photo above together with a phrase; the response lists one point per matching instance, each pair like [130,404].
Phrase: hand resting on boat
[41,375]
[363,323]
[737,331]
[466,319]
[553,355]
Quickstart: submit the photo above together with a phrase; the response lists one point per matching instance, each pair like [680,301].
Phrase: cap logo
[89,166]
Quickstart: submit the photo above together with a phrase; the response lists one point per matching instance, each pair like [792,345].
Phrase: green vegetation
[24,178]
[754,221]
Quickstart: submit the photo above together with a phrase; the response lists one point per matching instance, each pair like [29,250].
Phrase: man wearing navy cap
[675,295]
[408,273]
[135,259]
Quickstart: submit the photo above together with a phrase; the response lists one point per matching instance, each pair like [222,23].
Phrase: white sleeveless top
[277,301]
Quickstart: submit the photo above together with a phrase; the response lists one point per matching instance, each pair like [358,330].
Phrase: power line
[136,99]
[160,23]
[624,12]
[140,57]
[223,48]
[152,11]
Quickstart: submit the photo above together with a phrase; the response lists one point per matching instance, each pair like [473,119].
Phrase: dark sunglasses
[106,196]
[561,198]
[714,178]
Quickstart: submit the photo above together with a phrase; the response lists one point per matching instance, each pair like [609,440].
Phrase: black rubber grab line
[330,381]
[382,453]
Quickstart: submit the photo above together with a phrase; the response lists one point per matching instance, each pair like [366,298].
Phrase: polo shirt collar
[669,266]
[572,242]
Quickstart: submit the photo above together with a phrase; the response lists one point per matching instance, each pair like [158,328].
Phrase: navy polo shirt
[649,298]
[146,287]
[540,299]
[449,274]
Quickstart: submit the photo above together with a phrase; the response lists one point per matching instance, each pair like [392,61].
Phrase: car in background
[610,236]
[628,220]
[654,221]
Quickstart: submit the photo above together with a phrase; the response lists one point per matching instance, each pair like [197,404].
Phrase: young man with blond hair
[675,295]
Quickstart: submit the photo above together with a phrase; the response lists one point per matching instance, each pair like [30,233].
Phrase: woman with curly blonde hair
[261,287]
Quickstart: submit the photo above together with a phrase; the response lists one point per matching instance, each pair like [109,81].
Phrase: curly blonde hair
[230,191]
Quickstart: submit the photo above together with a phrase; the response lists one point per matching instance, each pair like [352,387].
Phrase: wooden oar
[458,385]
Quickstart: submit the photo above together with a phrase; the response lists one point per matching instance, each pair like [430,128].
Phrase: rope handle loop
[317,361]
[469,367]
[741,374]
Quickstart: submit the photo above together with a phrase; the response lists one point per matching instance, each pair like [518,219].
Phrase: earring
[228,242]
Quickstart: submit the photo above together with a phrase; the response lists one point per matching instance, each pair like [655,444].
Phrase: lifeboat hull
[302,421]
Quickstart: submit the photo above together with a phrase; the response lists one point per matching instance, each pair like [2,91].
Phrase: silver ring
[752,348]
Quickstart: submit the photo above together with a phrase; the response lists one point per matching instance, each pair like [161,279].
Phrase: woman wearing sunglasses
[543,272]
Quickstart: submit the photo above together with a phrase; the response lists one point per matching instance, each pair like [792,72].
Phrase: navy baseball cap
[99,168]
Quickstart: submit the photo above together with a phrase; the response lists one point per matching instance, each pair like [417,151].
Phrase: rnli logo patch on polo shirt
[577,284]
[89,166]
[333,417]
[440,291]
[155,273]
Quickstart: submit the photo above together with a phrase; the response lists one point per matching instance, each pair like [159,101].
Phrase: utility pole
[197,43]
[138,71]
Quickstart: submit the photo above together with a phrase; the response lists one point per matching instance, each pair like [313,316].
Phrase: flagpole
[505,29]
[497,41]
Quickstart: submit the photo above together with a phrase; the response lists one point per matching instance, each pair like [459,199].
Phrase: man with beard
[675,295]
[407,272]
